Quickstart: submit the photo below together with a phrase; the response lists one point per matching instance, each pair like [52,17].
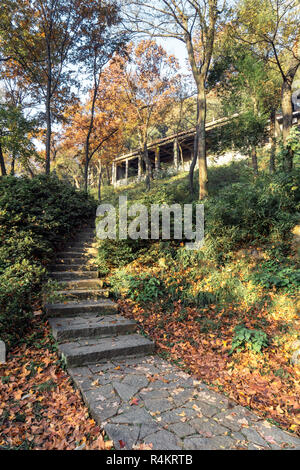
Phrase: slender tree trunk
[12,167]
[108,175]
[48,111]
[287,119]
[287,109]
[148,165]
[86,171]
[202,163]
[76,182]
[48,138]
[200,142]
[193,164]
[2,163]
[181,155]
[273,141]
[91,126]
[254,160]
[99,183]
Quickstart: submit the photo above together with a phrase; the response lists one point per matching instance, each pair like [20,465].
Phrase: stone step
[82,284]
[85,237]
[90,351]
[86,231]
[90,326]
[81,244]
[72,267]
[83,260]
[73,275]
[77,254]
[68,309]
[83,294]
[75,251]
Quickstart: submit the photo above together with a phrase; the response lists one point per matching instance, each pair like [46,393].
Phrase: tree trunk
[287,109]
[91,124]
[273,141]
[12,167]
[48,111]
[193,164]
[86,171]
[99,183]
[200,143]
[202,163]
[108,175]
[148,165]
[287,119]
[181,155]
[77,185]
[254,160]
[2,163]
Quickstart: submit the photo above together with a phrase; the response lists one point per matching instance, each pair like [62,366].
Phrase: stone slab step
[83,294]
[72,267]
[77,252]
[88,236]
[69,309]
[90,326]
[76,260]
[90,351]
[81,284]
[89,231]
[73,275]
[81,244]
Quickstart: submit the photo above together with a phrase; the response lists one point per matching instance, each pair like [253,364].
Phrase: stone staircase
[85,322]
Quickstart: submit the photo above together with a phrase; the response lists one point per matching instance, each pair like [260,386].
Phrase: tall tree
[193,22]
[100,40]
[271,29]
[147,82]
[248,86]
[40,37]
[16,134]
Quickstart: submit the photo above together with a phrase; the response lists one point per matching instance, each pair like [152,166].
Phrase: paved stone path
[137,398]
[172,411]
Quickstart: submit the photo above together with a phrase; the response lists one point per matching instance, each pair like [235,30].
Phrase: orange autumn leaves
[39,407]
[199,341]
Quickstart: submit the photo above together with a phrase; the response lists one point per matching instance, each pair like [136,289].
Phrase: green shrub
[35,216]
[141,288]
[279,274]
[254,340]
[262,210]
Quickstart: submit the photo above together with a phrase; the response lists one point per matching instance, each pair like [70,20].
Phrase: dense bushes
[241,210]
[35,215]
[261,210]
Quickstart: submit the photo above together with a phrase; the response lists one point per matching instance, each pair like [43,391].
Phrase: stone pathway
[135,397]
[172,411]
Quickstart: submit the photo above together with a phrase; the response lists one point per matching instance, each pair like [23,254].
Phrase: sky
[175,47]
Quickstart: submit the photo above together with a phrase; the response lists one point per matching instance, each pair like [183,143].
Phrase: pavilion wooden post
[114,174]
[175,153]
[157,159]
[126,169]
[140,167]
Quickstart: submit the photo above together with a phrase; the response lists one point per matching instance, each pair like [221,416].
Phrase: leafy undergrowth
[39,407]
[266,383]
[221,325]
